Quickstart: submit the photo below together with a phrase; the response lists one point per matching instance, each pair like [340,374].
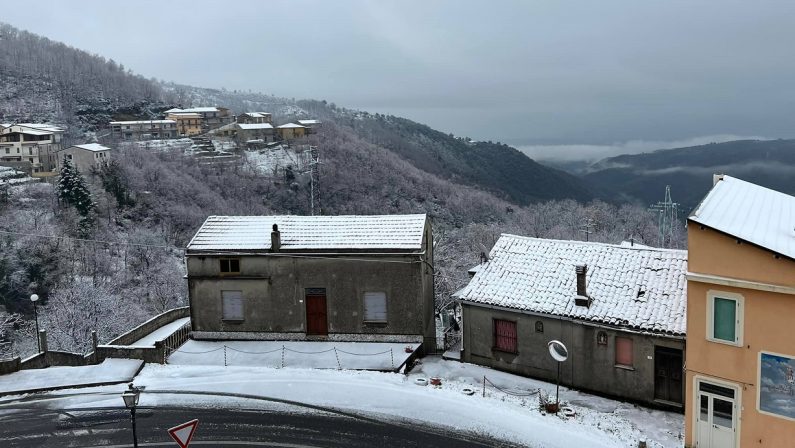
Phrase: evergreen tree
[72,191]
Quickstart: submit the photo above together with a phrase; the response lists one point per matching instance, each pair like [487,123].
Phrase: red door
[316,321]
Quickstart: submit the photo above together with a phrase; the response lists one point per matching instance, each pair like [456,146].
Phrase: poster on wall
[777,384]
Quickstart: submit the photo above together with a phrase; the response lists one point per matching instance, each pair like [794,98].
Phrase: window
[505,336]
[623,352]
[724,317]
[375,307]
[539,326]
[230,266]
[232,305]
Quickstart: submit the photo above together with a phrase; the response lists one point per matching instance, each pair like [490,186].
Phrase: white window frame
[242,306]
[364,307]
[739,322]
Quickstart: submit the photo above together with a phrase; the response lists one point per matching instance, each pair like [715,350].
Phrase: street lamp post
[35,298]
[130,397]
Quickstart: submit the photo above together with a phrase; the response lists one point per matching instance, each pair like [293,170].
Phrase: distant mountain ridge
[770,163]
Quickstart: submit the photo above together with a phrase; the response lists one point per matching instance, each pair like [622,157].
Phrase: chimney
[716,178]
[276,239]
[582,298]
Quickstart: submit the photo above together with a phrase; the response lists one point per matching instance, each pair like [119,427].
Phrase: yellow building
[740,355]
[290,131]
[188,123]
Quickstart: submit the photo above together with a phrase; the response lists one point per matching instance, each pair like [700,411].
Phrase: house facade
[313,277]
[83,157]
[741,304]
[255,118]
[211,117]
[311,125]
[290,131]
[30,147]
[243,133]
[188,123]
[143,129]
[620,311]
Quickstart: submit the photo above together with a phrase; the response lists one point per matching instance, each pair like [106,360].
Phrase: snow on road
[109,371]
[161,333]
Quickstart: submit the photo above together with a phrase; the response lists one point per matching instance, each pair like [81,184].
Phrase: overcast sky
[584,74]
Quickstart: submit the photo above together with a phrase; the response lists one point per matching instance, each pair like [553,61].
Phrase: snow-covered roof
[32,128]
[308,122]
[255,126]
[94,147]
[643,289]
[257,114]
[747,211]
[290,125]
[310,232]
[143,122]
[185,114]
[194,109]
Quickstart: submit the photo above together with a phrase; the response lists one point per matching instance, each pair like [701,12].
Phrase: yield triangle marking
[183,433]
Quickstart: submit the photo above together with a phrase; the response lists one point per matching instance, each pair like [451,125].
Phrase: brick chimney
[582,298]
[276,239]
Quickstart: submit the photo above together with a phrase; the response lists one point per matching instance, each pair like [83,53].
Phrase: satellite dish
[558,351]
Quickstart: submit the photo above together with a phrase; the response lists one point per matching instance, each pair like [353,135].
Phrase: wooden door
[316,318]
[668,374]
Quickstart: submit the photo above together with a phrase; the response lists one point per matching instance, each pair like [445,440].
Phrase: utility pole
[668,212]
[587,228]
[314,179]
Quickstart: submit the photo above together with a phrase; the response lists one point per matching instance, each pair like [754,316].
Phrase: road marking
[211,442]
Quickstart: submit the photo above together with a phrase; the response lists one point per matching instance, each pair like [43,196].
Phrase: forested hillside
[688,171]
[124,252]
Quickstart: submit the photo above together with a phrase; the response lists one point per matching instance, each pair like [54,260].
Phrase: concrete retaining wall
[150,325]
[10,365]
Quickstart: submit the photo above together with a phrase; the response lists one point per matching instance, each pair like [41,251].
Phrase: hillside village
[197,256]
[663,328]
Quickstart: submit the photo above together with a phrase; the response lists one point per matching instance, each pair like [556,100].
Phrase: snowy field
[181,144]
[161,333]
[293,354]
[109,371]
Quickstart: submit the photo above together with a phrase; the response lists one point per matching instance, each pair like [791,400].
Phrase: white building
[30,146]
[84,157]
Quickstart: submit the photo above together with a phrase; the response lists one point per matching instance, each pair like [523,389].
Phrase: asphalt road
[36,426]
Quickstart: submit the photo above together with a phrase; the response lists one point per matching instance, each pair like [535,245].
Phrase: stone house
[311,125]
[211,117]
[740,376]
[84,157]
[313,278]
[30,147]
[291,131]
[255,118]
[619,310]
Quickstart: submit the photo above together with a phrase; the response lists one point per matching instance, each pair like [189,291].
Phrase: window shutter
[624,351]
[232,305]
[724,319]
[375,306]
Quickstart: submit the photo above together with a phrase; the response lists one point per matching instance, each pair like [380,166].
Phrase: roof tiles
[638,288]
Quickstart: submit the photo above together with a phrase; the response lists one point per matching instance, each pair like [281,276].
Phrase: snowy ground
[294,354]
[111,370]
[161,333]
[271,161]
[396,397]
[160,145]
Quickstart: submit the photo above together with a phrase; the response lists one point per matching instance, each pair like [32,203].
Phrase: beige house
[143,129]
[255,118]
[84,157]
[188,123]
[211,117]
[740,357]
[291,131]
[30,146]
